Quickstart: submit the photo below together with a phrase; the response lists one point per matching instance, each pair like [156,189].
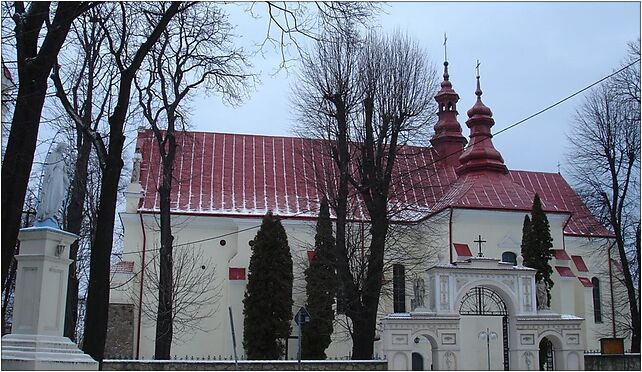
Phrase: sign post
[236,360]
[302,316]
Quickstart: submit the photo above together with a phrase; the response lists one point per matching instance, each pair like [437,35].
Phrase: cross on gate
[480,241]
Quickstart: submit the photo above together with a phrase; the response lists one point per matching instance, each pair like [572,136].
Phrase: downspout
[450,235]
[142,276]
[611,290]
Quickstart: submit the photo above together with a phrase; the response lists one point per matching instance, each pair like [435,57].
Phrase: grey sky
[532,54]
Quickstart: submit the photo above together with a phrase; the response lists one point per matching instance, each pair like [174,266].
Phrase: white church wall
[502,230]
[214,336]
[236,253]
[594,253]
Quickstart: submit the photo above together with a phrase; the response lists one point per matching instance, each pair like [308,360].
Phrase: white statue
[542,295]
[54,186]
[528,360]
[419,289]
[137,158]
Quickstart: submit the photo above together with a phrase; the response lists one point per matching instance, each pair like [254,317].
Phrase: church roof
[241,175]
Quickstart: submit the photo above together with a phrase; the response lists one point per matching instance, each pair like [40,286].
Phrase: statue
[54,187]
[451,362]
[419,289]
[138,158]
[528,360]
[542,295]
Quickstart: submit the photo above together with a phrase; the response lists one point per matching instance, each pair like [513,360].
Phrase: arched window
[509,257]
[399,288]
[597,303]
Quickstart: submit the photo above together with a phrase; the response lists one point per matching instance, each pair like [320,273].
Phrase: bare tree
[85,97]
[35,59]
[367,99]
[194,291]
[288,21]
[194,51]
[131,31]
[605,166]
[613,308]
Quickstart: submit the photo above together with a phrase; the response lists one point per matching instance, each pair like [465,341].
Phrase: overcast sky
[532,55]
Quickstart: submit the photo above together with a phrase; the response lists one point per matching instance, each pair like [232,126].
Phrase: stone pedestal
[36,341]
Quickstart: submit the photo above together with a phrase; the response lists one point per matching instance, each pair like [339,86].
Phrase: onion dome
[447,141]
[480,155]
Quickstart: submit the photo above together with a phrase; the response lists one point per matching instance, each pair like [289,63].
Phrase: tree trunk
[33,70]
[362,346]
[630,290]
[98,291]
[9,287]
[365,322]
[164,320]
[97,310]
[75,215]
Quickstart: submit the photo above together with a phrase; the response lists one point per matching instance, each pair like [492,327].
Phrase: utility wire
[569,97]
[428,164]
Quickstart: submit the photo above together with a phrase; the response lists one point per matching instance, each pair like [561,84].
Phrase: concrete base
[38,352]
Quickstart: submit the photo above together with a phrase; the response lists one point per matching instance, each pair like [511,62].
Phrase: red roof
[579,264]
[247,175]
[560,254]
[564,271]
[462,250]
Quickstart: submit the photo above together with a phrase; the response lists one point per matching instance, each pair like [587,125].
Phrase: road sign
[302,316]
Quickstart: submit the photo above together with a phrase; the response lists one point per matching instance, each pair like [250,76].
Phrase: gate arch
[481,300]
[430,356]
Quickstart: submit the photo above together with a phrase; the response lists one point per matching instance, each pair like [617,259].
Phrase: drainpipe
[142,276]
[450,235]
[611,290]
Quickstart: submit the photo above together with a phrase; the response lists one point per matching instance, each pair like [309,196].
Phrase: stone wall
[605,362]
[244,365]
[120,331]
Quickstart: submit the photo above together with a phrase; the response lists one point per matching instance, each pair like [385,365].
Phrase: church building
[471,305]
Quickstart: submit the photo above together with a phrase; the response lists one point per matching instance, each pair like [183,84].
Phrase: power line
[569,97]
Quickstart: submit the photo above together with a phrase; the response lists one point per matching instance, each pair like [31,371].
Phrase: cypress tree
[268,296]
[320,289]
[536,245]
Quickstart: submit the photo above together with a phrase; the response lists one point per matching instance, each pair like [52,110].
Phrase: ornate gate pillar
[402,331]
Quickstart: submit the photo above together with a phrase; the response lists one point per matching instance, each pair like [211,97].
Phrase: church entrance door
[481,301]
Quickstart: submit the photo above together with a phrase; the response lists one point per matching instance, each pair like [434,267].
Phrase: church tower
[480,155]
[448,141]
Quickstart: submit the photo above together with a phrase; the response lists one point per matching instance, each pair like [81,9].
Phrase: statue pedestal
[37,341]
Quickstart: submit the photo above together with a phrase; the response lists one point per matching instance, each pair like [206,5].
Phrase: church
[471,305]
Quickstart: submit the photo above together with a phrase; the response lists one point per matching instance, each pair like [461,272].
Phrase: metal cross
[480,241]
[477,67]
[445,53]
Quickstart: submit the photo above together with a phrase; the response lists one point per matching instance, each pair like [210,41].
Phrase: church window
[509,257]
[399,288]
[597,304]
